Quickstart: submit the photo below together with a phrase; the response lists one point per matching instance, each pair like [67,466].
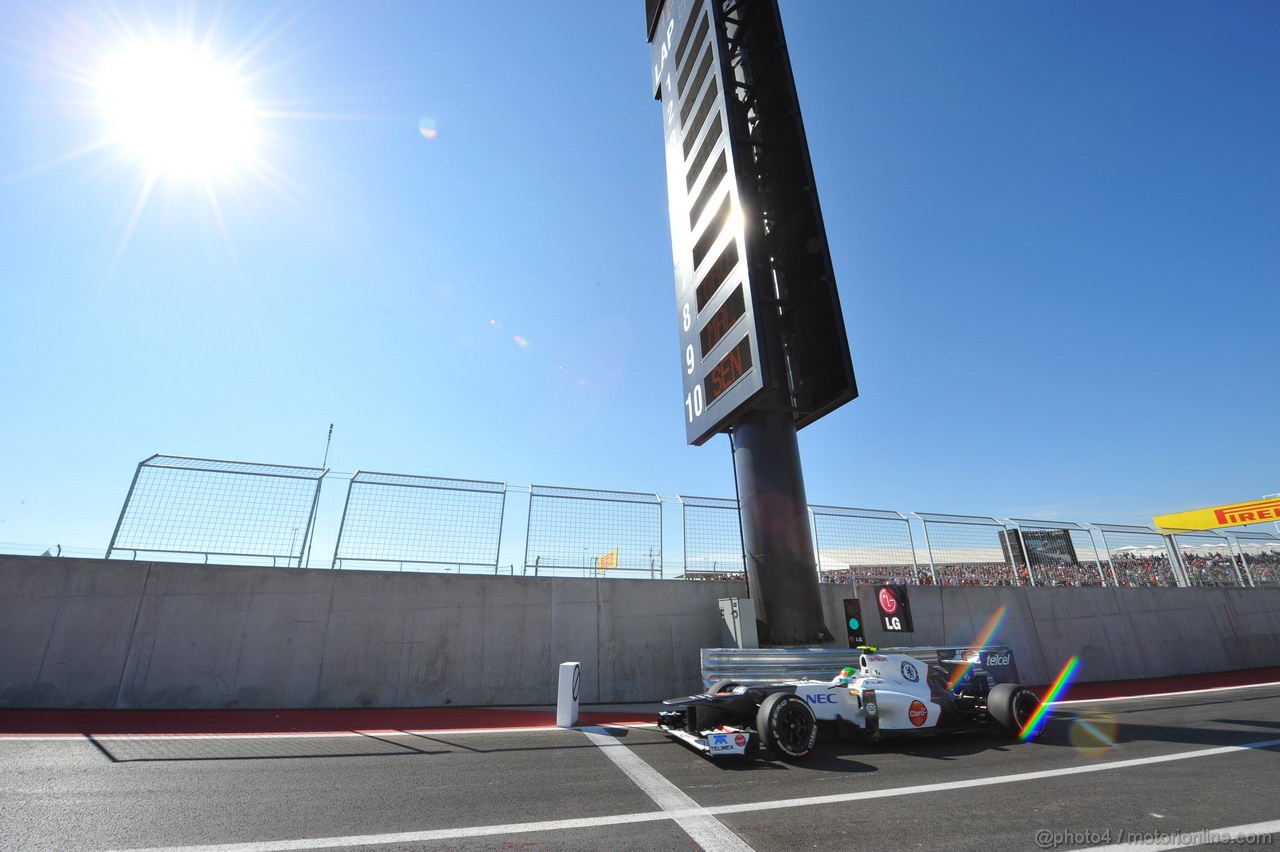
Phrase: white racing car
[906,692]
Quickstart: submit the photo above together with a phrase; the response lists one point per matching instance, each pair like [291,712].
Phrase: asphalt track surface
[1176,765]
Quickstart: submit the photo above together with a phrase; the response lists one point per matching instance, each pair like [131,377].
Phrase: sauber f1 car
[909,691]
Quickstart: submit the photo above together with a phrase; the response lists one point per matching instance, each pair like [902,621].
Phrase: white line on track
[1202,837]
[985,782]
[696,812]
[1163,694]
[707,831]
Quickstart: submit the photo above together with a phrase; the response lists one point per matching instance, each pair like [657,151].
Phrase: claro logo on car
[917,713]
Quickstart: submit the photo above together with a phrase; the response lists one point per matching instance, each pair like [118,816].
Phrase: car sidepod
[903,697]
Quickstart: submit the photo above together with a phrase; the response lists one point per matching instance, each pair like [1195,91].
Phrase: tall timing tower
[763,349]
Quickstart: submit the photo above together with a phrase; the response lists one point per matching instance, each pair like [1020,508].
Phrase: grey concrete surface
[103,634]
[1174,764]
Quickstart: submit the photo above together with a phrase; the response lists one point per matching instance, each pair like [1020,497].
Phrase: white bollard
[567,699]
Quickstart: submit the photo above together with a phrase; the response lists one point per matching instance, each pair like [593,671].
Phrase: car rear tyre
[1013,705]
[786,726]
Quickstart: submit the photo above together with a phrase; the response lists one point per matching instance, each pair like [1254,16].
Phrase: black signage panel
[819,366]
[895,609]
[716,304]
[752,265]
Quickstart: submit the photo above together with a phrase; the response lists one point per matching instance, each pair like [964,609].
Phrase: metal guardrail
[770,665]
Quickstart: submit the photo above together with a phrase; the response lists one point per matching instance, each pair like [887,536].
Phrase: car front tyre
[786,726]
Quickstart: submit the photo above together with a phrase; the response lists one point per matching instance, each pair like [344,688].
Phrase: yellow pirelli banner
[609,560]
[1220,516]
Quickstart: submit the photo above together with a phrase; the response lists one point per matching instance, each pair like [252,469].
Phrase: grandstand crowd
[1265,567]
[1130,570]
[966,574]
[1134,570]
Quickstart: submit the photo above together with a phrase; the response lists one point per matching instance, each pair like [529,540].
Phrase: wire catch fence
[251,513]
[712,538]
[206,507]
[593,531]
[420,520]
[866,545]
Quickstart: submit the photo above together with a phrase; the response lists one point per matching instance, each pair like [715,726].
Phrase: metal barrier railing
[1259,555]
[1207,558]
[420,520]
[866,545]
[771,665]
[249,513]
[712,538]
[581,531]
[208,507]
[1056,553]
[1138,556]
[969,550]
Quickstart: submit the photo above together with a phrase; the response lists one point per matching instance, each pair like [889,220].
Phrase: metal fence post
[342,525]
[311,520]
[927,543]
[116,532]
[1026,551]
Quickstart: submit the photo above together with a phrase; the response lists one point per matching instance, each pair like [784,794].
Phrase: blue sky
[1055,227]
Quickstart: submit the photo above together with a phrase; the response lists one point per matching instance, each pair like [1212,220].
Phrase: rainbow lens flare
[984,637]
[427,127]
[1093,734]
[1059,686]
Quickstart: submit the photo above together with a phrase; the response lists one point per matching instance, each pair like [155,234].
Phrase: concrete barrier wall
[96,633]
[1118,634]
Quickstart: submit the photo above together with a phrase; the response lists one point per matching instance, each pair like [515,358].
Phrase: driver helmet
[845,675]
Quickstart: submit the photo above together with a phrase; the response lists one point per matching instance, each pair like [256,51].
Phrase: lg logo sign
[895,612]
[888,603]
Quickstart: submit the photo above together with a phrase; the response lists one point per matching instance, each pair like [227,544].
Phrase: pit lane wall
[103,634]
[1118,633]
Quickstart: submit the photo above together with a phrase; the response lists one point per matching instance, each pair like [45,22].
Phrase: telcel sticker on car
[727,743]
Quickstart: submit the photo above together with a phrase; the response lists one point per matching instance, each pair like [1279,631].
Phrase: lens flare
[1059,686]
[985,636]
[521,342]
[1093,734]
[427,127]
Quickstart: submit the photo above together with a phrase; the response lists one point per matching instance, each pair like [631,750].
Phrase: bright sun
[180,112]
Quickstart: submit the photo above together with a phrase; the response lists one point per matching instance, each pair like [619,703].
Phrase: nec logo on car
[821,698]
